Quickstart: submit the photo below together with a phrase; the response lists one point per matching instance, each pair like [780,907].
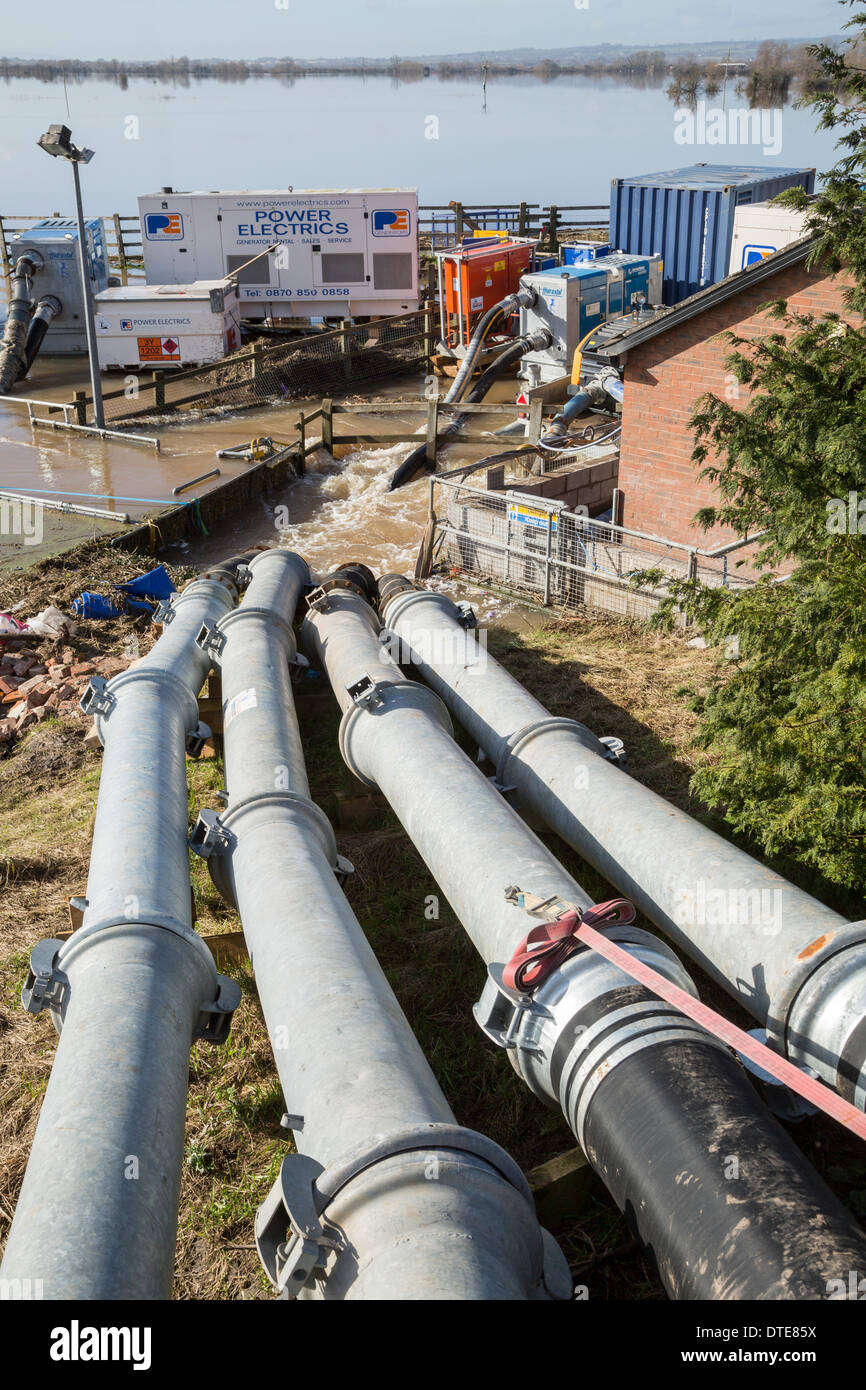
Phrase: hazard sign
[159,350]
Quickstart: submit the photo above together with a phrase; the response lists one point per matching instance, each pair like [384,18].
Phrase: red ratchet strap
[549,944]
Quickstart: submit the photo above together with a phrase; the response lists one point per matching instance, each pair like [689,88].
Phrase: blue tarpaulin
[154,585]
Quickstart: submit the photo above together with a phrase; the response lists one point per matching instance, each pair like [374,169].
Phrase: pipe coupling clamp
[294,1246]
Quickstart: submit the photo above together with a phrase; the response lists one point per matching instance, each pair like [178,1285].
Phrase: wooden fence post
[301,427]
[536,409]
[328,425]
[521,220]
[79,399]
[256,363]
[429,331]
[121,249]
[432,424]
[553,228]
[159,390]
[346,347]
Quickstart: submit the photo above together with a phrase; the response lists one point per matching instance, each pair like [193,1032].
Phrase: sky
[380,28]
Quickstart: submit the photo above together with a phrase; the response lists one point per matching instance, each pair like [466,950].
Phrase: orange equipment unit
[475,275]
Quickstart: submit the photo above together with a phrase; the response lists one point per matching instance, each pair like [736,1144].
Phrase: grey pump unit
[655,1102]
[792,962]
[128,991]
[387,1196]
[52,244]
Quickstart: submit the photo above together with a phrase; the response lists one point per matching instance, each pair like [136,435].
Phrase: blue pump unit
[574,299]
[578,251]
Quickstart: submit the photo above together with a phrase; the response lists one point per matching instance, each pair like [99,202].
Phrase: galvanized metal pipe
[589,1035]
[363,1103]
[794,963]
[97,1214]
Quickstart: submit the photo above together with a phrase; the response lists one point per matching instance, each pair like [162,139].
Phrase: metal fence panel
[527,544]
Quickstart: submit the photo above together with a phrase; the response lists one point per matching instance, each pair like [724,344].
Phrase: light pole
[57,141]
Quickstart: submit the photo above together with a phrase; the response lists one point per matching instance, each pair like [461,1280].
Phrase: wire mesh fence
[318,365]
[530,545]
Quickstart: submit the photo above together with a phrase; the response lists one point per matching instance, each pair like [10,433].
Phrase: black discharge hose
[13,347]
[715,1190]
[416,463]
[47,309]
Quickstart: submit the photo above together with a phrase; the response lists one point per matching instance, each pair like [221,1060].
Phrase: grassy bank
[620,680]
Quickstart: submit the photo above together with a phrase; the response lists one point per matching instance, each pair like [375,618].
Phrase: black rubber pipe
[417,463]
[713,1187]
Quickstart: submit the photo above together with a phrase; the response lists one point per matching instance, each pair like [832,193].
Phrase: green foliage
[788,721]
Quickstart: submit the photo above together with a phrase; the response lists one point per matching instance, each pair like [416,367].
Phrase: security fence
[533,546]
[342,359]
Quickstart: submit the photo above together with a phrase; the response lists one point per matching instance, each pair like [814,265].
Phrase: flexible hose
[416,462]
[46,310]
[522,299]
[720,1195]
[13,346]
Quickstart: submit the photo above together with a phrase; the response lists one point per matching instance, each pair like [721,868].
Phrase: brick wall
[664,378]
[586,485]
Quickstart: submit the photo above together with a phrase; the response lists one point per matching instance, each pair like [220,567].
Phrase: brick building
[671,360]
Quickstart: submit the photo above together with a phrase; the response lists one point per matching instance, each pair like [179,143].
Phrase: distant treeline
[775,68]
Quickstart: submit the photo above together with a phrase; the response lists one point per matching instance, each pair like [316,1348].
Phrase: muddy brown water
[340,510]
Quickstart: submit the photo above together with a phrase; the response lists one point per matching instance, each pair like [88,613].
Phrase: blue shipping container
[687,217]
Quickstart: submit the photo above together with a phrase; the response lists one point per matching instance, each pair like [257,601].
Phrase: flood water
[559,141]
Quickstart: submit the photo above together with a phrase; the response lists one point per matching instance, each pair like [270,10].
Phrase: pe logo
[125,325]
[162,226]
[392,222]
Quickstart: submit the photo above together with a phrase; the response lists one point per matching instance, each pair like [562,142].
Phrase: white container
[167,325]
[760,229]
[339,253]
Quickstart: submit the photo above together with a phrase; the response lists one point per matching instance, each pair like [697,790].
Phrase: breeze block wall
[663,380]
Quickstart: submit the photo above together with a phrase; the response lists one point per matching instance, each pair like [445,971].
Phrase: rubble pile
[34,685]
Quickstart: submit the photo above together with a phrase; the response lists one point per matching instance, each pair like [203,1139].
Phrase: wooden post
[432,424]
[536,410]
[429,331]
[458,213]
[553,227]
[121,249]
[301,427]
[159,390]
[346,347]
[79,399]
[328,425]
[255,363]
[521,220]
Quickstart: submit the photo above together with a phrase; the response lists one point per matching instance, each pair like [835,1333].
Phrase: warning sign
[531,516]
[159,350]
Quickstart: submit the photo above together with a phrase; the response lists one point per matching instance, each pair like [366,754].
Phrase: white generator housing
[166,325]
[339,253]
[760,229]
